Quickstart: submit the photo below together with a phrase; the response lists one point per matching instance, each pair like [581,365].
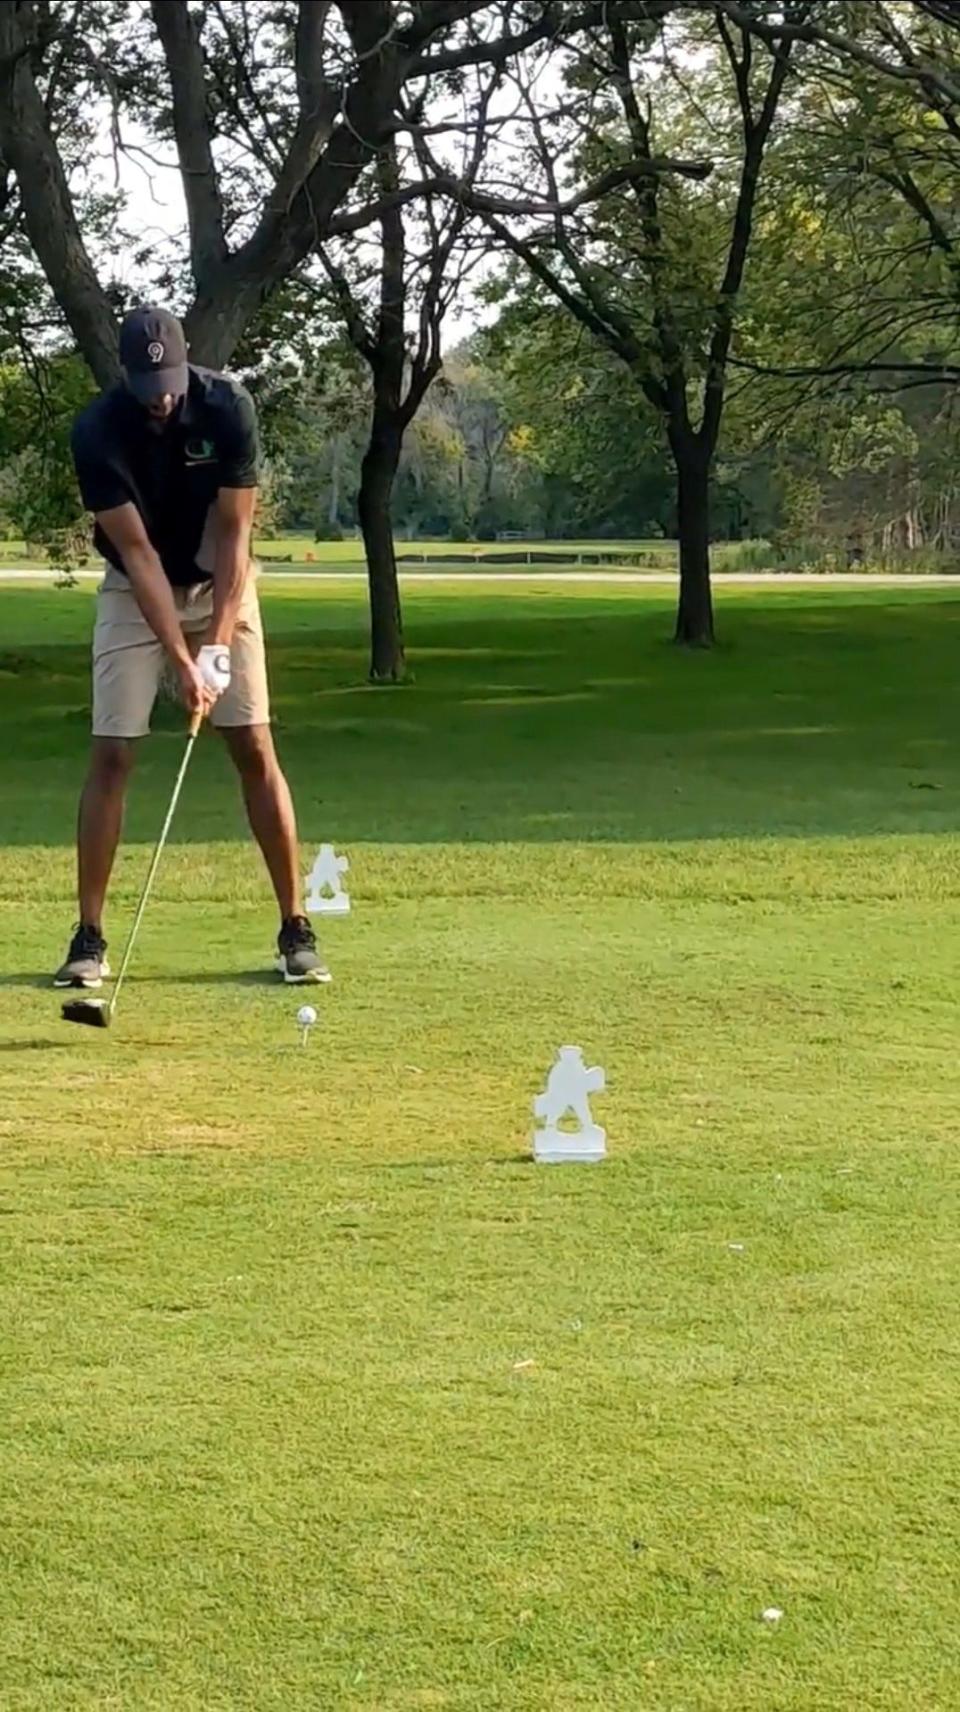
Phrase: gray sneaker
[298,959]
[86,963]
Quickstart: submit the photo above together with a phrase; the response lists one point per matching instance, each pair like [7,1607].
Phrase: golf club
[97,1013]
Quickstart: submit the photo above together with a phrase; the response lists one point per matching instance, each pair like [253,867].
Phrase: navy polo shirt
[172,476]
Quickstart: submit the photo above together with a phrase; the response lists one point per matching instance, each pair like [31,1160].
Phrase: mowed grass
[304,553]
[508,556]
[316,1393]
[349,555]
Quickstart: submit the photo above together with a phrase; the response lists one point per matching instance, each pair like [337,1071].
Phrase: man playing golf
[167,461]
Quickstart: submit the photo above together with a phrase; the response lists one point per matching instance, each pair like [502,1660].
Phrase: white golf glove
[213,662]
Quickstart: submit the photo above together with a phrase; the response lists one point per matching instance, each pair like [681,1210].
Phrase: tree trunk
[377,476]
[49,215]
[695,611]
[333,512]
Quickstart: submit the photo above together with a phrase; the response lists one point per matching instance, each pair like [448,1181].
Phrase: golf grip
[195,724]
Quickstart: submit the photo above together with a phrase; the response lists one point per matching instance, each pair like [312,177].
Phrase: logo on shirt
[155,351]
[200,452]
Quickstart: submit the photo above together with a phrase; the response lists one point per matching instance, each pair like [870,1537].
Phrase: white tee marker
[569,1085]
[325,892]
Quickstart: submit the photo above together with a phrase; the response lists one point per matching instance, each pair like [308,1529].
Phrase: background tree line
[716,246]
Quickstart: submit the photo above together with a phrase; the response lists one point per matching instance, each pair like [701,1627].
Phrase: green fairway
[316,1393]
[303,553]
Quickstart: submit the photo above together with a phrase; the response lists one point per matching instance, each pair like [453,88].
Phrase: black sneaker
[298,960]
[86,963]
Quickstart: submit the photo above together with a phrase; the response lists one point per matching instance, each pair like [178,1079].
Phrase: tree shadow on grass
[36,1045]
[818,717]
[32,982]
[219,978]
[402,1165]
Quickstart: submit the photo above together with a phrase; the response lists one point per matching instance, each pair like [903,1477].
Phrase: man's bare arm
[231,567]
[124,527]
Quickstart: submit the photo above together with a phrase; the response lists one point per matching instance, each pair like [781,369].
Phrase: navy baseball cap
[153,352]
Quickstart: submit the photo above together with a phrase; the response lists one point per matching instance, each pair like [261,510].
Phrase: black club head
[92,1013]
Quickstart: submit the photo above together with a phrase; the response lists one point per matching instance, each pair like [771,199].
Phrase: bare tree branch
[319,102]
[482,202]
[667,391]
[620,338]
[435,15]
[931,372]
[180,36]
[240,51]
[555,21]
[51,222]
[358,332]
[336,135]
[309,67]
[756,132]
[927,75]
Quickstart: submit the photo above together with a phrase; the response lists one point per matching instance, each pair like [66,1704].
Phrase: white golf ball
[306,1016]
[772,1614]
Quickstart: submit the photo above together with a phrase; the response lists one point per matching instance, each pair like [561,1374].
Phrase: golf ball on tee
[306,1016]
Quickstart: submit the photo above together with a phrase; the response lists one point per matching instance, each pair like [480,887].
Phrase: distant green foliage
[39,500]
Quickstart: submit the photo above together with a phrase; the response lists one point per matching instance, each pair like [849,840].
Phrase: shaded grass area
[546,716]
[316,1394]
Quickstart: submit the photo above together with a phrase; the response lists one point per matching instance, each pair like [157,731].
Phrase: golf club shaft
[155,862]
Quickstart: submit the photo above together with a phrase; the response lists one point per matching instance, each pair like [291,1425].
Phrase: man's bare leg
[270,811]
[274,825]
[98,834]
[100,821]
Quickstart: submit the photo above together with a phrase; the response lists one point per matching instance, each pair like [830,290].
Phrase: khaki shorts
[128,661]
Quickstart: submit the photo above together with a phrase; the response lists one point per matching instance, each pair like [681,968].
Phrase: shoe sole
[316,977]
[77,983]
